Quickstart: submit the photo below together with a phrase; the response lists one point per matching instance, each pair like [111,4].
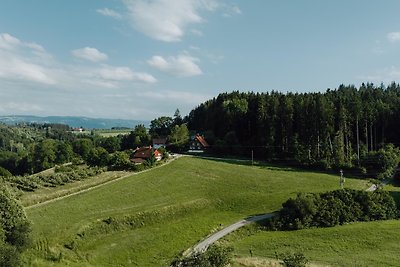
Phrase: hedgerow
[33,182]
[334,208]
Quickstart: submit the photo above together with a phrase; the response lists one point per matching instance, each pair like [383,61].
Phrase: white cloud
[124,74]
[230,11]
[393,36]
[8,41]
[89,53]
[22,61]
[182,66]
[113,77]
[20,107]
[109,13]
[386,75]
[196,32]
[166,20]
[176,96]
[18,69]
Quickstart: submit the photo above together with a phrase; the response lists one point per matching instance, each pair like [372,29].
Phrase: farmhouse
[140,155]
[198,144]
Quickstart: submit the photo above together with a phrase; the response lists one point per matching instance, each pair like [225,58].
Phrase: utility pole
[341,181]
[252,157]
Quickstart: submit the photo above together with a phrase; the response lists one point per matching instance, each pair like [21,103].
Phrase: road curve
[203,245]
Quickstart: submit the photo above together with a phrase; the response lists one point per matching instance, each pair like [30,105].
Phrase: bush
[382,163]
[14,229]
[334,208]
[294,260]
[4,172]
[215,256]
[33,182]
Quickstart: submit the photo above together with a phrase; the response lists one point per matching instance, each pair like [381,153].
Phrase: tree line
[337,128]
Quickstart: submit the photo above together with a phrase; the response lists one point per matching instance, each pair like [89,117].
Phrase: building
[141,154]
[198,144]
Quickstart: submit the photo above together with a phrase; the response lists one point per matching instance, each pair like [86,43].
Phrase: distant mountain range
[87,123]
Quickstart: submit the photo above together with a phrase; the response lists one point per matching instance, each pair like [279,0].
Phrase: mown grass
[358,244]
[230,191]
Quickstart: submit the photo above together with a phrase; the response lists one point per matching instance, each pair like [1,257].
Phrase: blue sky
[140,59]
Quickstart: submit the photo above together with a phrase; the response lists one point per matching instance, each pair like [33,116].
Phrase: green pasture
[358,244]
[172,207]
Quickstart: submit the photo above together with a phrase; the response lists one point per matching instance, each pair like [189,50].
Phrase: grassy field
[358,244]
[173,207]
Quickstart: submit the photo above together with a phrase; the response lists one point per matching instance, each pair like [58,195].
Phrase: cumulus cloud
[166,20]
[181,66]
[23,61]
[89,53]
[393,36]
[109,13]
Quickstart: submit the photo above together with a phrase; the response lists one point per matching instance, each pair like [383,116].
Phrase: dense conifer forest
[344,127]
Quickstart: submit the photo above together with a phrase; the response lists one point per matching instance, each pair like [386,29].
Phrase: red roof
[157,153]
[202,141]
[143,153]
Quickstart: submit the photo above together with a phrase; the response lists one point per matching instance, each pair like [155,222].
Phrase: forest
[342,128]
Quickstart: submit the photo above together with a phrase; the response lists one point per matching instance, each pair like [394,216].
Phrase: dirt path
[100,185]
[203,245]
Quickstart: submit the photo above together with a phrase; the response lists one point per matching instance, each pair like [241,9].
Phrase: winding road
[203,245]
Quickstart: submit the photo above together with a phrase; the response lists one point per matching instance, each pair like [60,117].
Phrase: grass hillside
[146,219]
[358,244]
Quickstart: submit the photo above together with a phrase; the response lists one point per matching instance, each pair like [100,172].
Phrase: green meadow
[148,218]
[358,244]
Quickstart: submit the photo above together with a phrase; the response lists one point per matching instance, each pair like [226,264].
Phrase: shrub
[215,256]
[14,229]
[382,163]
[334,208]
[5,172]
[294,260]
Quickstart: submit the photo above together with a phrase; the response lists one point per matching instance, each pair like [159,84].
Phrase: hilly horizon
[73,121]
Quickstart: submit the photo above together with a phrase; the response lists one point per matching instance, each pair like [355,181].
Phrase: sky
[141,59]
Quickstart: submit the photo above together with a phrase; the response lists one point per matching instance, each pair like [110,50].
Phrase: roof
[144,153]
[202,141]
